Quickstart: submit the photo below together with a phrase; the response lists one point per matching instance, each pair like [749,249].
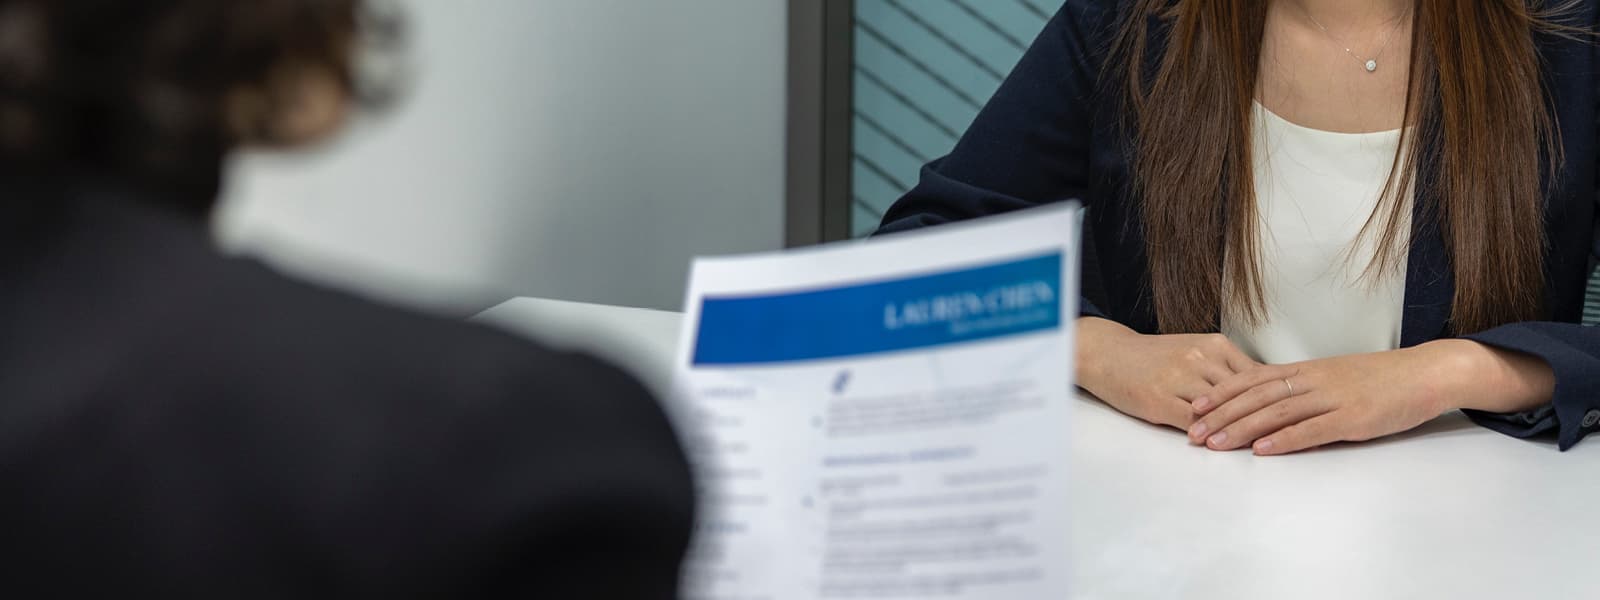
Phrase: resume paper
[884,419]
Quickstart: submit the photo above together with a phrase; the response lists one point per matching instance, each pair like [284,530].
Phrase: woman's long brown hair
[1476,116]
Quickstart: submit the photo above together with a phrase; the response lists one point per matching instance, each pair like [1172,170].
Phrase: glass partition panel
[922,69]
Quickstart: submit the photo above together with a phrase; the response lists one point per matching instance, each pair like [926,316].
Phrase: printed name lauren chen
[1004,306]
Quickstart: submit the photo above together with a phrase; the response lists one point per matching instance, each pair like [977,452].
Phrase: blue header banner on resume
[986,302]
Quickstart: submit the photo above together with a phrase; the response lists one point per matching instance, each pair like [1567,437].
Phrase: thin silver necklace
[1371,64]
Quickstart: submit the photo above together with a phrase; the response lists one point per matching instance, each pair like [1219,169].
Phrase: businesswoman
[177,423]
[1315,220]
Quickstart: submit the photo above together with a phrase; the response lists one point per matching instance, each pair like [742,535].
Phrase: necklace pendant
[1372,65]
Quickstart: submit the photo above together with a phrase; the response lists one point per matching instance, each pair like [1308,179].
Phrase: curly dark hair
[145,90]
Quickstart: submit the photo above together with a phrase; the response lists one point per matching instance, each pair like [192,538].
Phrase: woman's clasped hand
[1225,400]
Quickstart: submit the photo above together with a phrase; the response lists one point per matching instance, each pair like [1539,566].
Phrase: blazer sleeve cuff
[1575,404]
[1088,309]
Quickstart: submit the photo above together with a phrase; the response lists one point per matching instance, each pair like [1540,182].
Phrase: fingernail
[1263,446]
[1198,431]
[1217,440]
[1202,404]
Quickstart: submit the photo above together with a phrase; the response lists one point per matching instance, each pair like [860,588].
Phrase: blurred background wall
[587,149]
[570,149]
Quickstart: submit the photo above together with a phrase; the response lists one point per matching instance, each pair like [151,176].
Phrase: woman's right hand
[1153,377]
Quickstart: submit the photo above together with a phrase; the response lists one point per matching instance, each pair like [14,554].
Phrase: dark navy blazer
[1050,134]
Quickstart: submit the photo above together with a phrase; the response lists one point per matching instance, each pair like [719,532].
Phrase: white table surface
[1449,510]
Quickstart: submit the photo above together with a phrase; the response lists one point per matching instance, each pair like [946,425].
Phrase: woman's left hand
[1278,409]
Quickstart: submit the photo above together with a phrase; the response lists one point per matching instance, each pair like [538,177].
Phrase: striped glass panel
[923,69]
[1591,303]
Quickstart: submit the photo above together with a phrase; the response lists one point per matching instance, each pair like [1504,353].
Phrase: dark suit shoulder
[155,293]
[190,422]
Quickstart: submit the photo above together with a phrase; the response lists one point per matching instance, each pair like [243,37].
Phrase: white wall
[571,149]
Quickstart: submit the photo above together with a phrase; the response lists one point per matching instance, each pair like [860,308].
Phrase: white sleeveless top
[1314,192]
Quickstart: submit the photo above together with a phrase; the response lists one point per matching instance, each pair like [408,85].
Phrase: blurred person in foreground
[178,423]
